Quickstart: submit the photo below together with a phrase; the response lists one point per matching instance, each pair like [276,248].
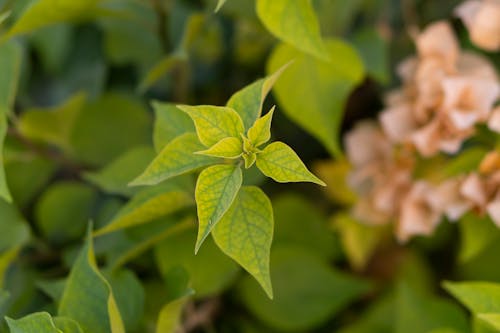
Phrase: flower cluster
[446,93]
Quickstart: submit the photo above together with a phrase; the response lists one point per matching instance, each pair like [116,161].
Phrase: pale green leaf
[176,158]
[170,122]
[229,147]
[249,159]
[478,297]
[37,322]
[220,3]
[335,175]
[214,123]
[52,125]
[294,22]
[245,233]
[279,162]
[318,105]
[88,297]
[260,132]
[216,189]
[149,204]
[492,319]
[209,272]
[297,276]
[414,305]
[249,100]
[67,325]
[42,13]
[115,176]
[169,318]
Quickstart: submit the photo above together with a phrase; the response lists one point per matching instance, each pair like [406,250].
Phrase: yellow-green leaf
[279,162]
[477,296]
[245,233]
[37,322]
[42,13]
[260,132]
[230,147]
[67,325]
[216,188]
[149,204]
[175,159]
[318,106]
[164,66]
[492,319]
[10,67]
[220,3]
[88,298]
[169,319]
[4,189]
[294,22]
[249,100]
[6,259]
[52,125]
[214,123]
[249,159]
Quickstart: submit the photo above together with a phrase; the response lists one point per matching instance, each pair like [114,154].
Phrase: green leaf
[249,159]
[260,132]
[15,230]
[115,176]
[216,189]
[248,101]
[294,22]
[62,202]
[176,158]
[42,13]
[230,147]
[220,3]
[67,325]
[412,306]
[53,45]
[129,295]
[33,323]
[374,51]
[4,189]
[170,122]
[290,212]
[297,276]
[149,204]
[476,234]
[52,125]
[88,297]
[478,297]
[279,162]
[245,233]
[209,272]
[160,69]
[116,122]
[214,123]
[169,319]
[6,259]
[359,240]
[10,67]
[318,106]
[492,319]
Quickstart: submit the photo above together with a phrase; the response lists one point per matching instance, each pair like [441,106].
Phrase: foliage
[144,143]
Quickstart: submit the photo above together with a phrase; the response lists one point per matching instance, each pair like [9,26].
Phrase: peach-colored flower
[398,122]
[366,143]
[482,19]
[446,198]
[438,41]
[473,189]
[417,216]
[494,121]
[493,209]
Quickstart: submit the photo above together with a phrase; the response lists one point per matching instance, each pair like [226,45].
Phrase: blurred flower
[482,19]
